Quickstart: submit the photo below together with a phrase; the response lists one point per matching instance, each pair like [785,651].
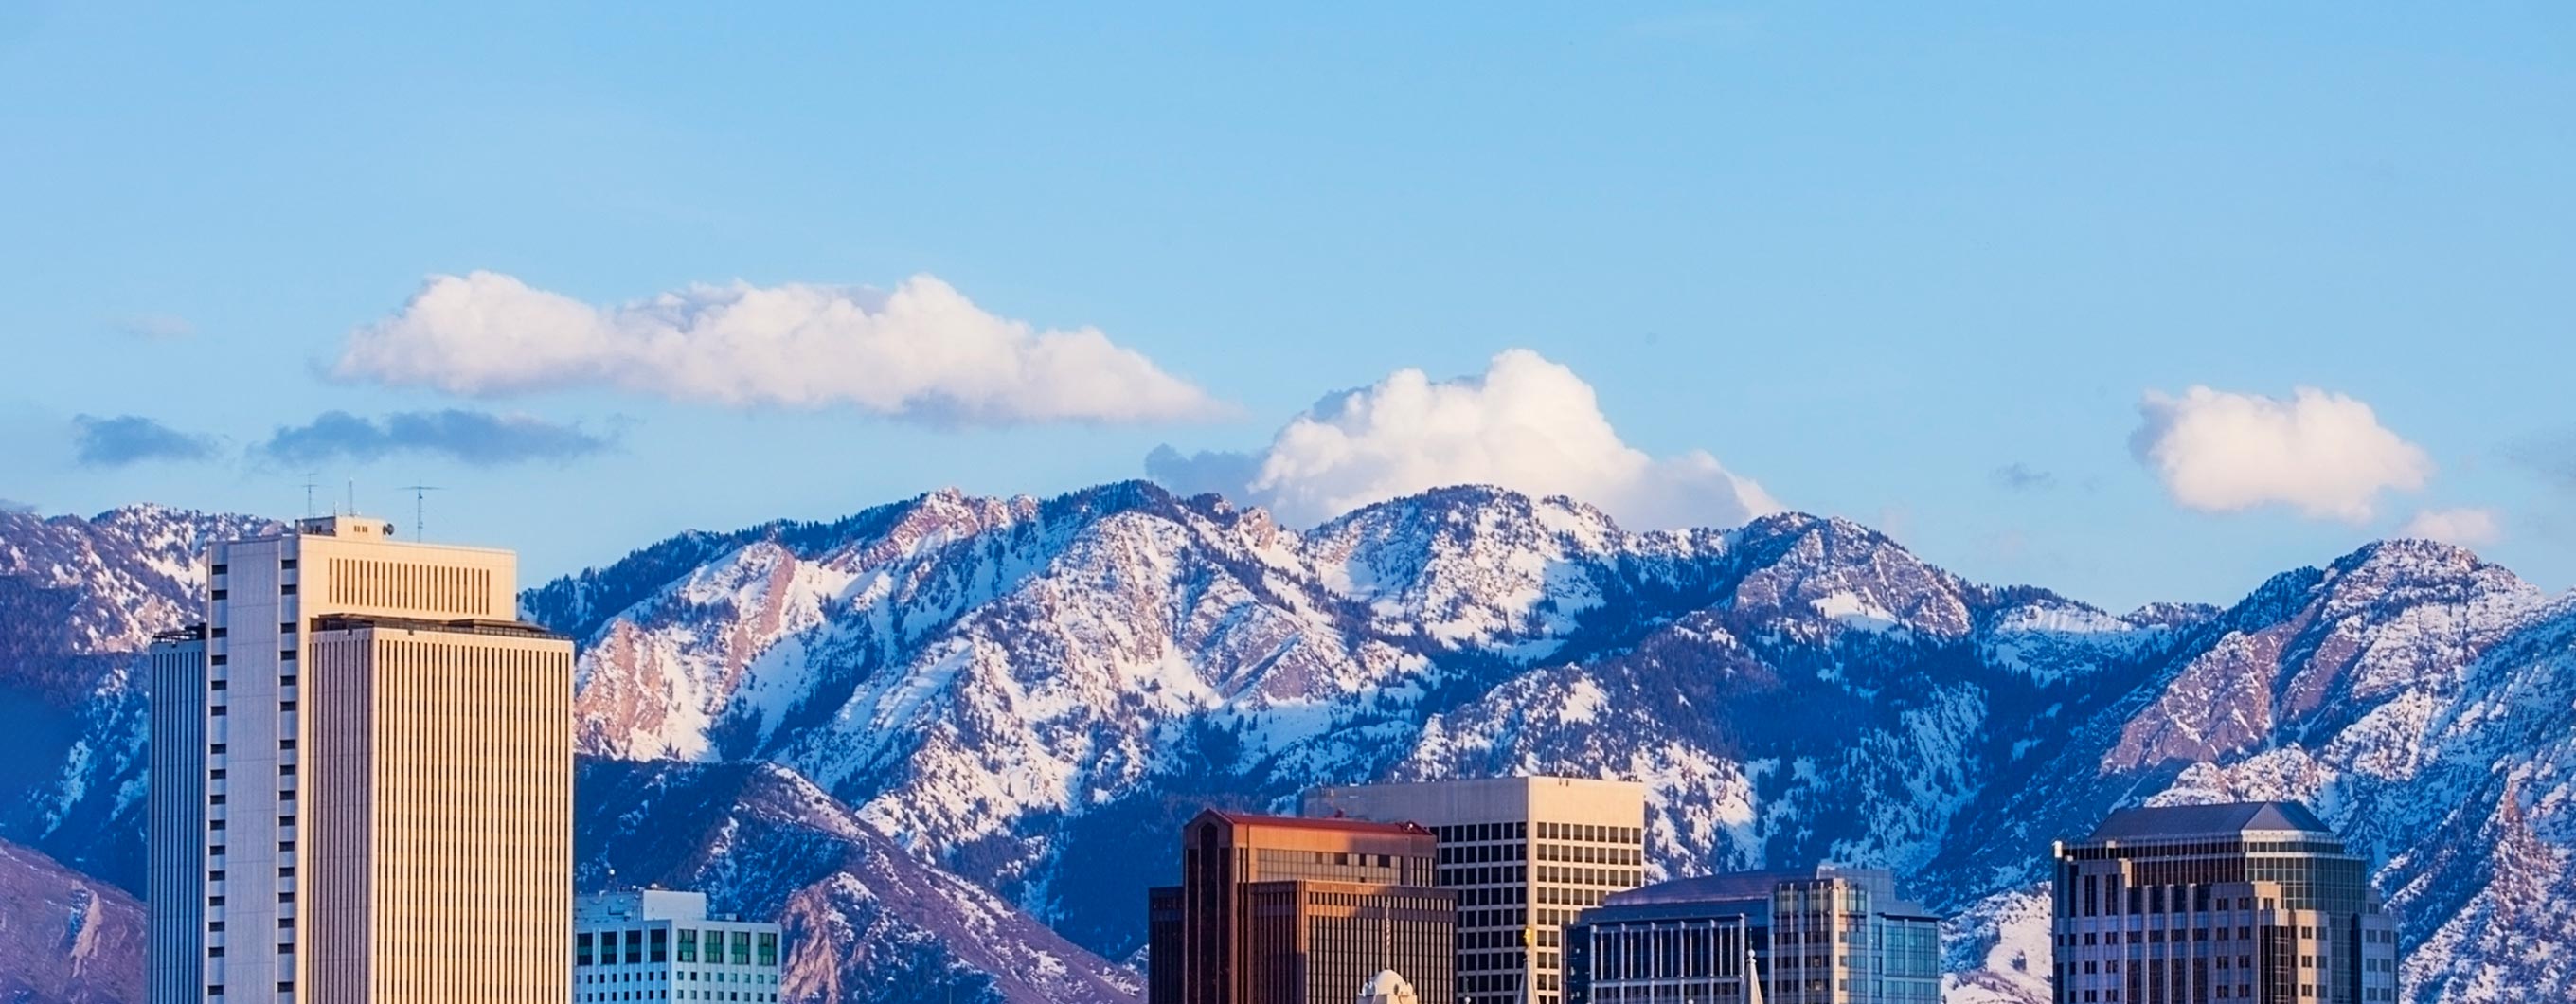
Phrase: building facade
[361,767]
[1286,910]
[2245,903]
[1524,855]
[659,945]
[1822,936]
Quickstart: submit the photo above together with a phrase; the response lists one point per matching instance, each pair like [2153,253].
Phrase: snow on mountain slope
[66,938]
[1028,696]
[864,920]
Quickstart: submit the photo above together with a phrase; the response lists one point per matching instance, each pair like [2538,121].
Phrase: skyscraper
[1285,910]
[1524,855]
[2247,903]
[361,779]
[660,945]
[1819,936]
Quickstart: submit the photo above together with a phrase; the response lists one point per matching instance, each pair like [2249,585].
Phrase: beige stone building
[361,779]
[1525,855]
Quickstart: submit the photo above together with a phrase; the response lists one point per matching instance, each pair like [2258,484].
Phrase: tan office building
[361,779]
[1524,855]
[1287,910]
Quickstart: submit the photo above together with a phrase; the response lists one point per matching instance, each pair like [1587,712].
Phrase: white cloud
[920,351]
[2464,527]
[2324,454]
[158,327]
[1527,424]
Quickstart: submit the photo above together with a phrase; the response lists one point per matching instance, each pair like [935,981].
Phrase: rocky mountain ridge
[1002,695]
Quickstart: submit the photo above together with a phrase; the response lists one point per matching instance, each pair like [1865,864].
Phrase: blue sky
[1868,260]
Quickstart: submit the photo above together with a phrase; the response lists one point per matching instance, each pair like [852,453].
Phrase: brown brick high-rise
[1283,910]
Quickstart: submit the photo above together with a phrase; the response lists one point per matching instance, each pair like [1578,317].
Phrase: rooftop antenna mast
[353,497]
[309,485]
[419,508]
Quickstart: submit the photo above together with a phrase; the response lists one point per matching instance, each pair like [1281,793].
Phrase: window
[286,681]
[688,944]
[216,851]
[214,799]
[216,774]
[217,685]
[214,901]
[215,876]
[219,632]
[286,590]
[581,949]
[287,565]
[285,705]
[661,942]
[216,749]
[217,711]
[287,846]
[286,871]
[218,660]
[742,948]
[223,594]
[286,744]
[285,770]
[219,569]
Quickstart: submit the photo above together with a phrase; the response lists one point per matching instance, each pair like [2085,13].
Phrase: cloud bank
[2464,527]
[132,439]
[921,351]
[1525,424]
[472,437]
[2325,455]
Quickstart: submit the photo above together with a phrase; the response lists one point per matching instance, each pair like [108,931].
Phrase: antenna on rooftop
[420,506]
[353,497]
[309,485]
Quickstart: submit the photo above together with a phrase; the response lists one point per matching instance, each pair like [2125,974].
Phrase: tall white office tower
[361,779]
[1525,854]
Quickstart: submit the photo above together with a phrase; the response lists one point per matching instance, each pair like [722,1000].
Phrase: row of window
[654,945]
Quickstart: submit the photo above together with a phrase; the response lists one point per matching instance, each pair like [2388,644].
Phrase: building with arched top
[1388,987]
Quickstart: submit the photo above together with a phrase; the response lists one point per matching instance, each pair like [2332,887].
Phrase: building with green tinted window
[659,945]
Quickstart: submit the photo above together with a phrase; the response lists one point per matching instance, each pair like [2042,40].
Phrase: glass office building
[659,945]
[2244,903]
[1821,936]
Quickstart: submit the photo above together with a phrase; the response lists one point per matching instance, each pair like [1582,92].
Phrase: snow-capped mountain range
[944,736]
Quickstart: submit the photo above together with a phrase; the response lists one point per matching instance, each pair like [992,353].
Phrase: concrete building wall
[383,794]
[1525,855]
[175,885]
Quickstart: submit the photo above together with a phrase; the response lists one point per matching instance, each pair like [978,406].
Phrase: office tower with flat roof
[2245,903]
[1524,855]
[1819,936]
[361,779]
[662,945]
[1287,910]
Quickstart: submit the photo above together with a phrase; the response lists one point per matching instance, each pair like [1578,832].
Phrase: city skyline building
[1291,910]
[663,945]
[361,777]
[2244,903]
[1825,935]
[1525,854]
